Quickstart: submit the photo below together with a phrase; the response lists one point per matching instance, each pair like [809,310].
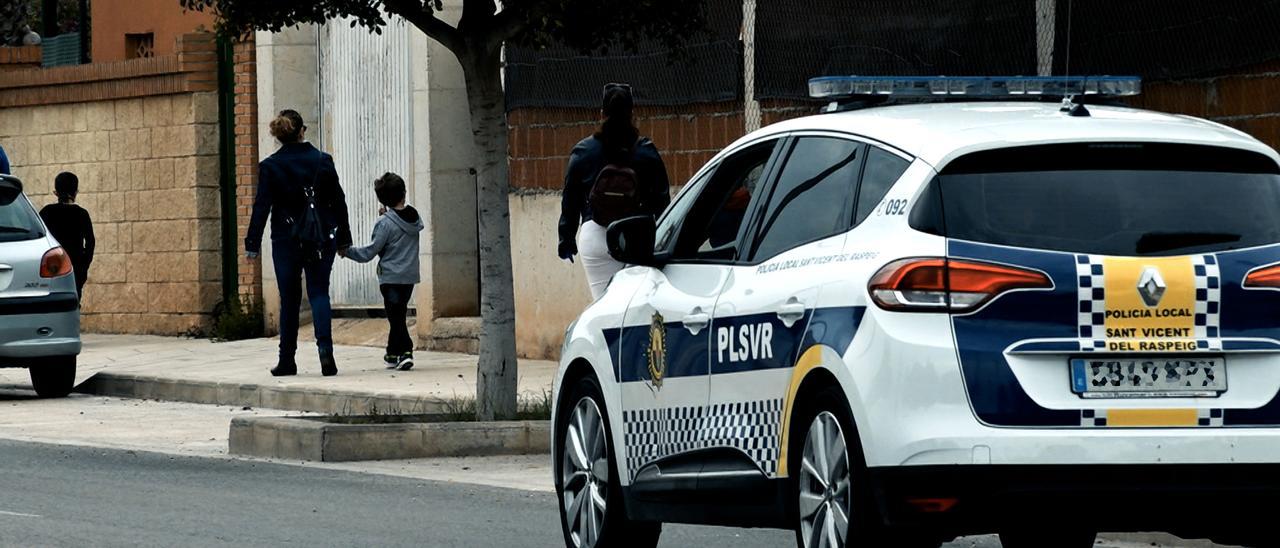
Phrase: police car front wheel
[591,508]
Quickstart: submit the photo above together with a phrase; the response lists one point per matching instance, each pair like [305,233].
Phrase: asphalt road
[62,495]
[70,496]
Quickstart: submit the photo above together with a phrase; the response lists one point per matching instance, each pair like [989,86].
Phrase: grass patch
[528,408]
[236,321]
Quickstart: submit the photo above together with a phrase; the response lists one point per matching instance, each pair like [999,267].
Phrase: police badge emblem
[657,351]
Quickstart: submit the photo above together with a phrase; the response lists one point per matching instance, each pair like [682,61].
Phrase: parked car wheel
[54,377]
[592,511]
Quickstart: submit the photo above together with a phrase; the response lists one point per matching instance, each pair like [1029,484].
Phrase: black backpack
[309,231]
[616,193]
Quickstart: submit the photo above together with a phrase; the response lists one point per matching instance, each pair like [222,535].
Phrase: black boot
[328,367]
[285,368]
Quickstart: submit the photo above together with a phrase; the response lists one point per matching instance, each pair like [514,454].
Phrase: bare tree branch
[425,19]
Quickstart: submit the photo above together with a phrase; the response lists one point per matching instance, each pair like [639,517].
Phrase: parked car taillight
[933,284]
[55,264]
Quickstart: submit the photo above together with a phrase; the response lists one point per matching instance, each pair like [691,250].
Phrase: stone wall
[143,138]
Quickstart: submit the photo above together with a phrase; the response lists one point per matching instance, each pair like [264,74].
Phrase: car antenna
[1070,104]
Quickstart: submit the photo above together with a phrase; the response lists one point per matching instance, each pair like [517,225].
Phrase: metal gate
[367,111]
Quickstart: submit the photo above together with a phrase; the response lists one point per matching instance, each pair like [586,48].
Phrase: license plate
[1148,377]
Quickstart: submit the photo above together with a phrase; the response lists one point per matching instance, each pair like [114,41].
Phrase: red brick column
[246,152]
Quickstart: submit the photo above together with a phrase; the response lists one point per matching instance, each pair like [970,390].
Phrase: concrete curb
[284,397]
[315,440]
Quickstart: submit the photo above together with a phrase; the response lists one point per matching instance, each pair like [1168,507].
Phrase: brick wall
[688,136]
[20,58]
[1247,99]
[246,154]
[148,167]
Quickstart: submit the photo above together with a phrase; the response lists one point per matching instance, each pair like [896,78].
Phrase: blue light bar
[832,87]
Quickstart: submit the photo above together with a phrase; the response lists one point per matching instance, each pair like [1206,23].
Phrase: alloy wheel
[824,491]
[584,473]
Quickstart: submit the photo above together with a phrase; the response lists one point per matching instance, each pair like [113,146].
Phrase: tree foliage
[586,25]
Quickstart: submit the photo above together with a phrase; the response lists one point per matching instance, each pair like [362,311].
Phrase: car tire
[1048,536]
[583,422]
[826,416]
[54,377]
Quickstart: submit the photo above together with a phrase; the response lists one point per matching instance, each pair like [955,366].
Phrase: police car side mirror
[630,240]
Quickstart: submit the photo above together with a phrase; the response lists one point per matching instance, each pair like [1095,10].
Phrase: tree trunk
[496,390]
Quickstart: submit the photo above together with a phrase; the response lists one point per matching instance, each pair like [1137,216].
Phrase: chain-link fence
[709,69]
[794,41]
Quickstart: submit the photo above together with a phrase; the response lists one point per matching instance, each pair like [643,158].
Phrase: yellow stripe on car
[809,360]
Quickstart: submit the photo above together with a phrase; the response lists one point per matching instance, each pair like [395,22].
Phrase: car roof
[940,132]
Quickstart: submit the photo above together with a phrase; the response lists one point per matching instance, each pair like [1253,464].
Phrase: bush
[237,321]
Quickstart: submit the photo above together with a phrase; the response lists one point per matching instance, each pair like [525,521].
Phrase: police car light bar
[834,87]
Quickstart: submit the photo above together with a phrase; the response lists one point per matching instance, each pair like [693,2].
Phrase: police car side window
[882,170]
[710,229]
[678,211]
[813,195]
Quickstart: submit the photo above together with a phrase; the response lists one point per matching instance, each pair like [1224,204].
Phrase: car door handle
[696,321]
[791,312]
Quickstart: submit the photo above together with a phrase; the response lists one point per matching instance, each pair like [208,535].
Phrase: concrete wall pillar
[446,192]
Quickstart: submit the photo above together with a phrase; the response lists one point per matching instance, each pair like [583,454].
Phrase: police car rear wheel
[591,508]
[832,506]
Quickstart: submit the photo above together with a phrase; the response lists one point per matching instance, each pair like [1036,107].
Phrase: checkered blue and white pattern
[1208,297]
[1093,305]
[752,427]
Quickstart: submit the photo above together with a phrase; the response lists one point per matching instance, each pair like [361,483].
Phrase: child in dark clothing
[395,243]
[71,226]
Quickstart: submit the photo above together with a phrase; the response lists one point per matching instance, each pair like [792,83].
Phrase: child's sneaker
[406,361]
[391,361]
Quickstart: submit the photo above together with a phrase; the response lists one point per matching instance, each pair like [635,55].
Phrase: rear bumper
[38,327]
[1200,500]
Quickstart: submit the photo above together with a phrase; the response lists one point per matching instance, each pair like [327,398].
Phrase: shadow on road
[16,393]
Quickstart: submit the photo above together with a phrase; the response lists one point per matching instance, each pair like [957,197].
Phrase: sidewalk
[235,373]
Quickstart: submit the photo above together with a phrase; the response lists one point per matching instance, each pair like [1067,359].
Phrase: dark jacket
[281,178]
[585,163]
[71,226]
[4,163]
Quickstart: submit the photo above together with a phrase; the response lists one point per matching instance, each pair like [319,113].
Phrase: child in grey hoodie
[395,243]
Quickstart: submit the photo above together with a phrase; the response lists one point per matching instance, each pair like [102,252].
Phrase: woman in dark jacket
[617,142]
[283,180]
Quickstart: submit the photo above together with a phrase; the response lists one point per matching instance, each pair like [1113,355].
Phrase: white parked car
[39,307]
[896,325]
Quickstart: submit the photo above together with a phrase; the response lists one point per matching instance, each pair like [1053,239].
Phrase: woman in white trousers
[617,144]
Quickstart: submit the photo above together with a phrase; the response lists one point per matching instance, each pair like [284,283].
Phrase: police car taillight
[933,284]
[1265,277]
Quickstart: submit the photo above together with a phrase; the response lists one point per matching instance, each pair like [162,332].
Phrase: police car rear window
[1127,199]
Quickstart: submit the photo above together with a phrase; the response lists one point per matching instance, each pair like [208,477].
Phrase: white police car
[896,325]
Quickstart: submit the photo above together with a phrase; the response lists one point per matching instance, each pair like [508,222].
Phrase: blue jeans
[290,268]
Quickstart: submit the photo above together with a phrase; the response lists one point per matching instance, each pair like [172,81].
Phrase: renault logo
[1151,286]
